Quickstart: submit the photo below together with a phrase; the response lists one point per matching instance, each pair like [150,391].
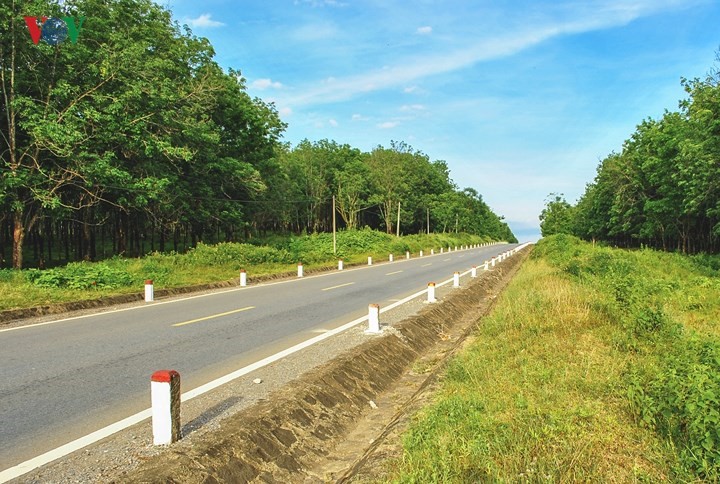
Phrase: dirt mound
[280,439]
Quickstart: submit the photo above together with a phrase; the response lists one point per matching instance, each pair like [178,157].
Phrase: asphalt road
[64,380]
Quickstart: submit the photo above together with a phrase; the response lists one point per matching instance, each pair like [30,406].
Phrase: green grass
[206,264]
[597,365]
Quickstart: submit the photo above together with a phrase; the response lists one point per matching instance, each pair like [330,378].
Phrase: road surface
[63,380]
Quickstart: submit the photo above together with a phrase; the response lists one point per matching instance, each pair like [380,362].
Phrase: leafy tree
[556,217]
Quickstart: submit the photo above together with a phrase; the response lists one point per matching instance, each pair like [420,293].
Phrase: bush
[674,383]
[81,275]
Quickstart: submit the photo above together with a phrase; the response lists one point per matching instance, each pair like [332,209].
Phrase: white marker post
[442,250]
[340,265]
[407,254]
[149,291]
[165,397]
[456,279]
[373,318]
[243,278]
[390,258]
[486,266]
[421,253]
[431,292]
[473,271]
[432,251]
[300,269]
[492,262]
[369,261]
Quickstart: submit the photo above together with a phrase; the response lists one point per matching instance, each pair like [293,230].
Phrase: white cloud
[359,117]
[585,19]
[410,89]
[425,30]
[387,125]
[332,123]
[285,111]
[412,107]
[203,20]
[266,83]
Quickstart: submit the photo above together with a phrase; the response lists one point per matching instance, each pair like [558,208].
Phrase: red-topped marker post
[149,292]
[165,397]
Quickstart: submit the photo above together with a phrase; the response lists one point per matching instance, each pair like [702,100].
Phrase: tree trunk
[18,239]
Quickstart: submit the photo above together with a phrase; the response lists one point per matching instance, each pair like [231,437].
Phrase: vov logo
[54,30]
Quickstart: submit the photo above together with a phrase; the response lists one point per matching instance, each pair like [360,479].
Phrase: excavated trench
[326,425]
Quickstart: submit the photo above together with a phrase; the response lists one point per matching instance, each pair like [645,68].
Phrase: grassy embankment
[597,365]
[205,264]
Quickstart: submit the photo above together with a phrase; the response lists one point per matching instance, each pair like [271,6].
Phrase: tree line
[133,139]
[662,189]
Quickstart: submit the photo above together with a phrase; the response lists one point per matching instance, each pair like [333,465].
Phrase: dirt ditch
[337,422]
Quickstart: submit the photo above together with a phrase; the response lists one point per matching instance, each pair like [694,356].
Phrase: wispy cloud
[388,125]
[412,107]
[265,84]
[410,71]
[203,21]
[425,30]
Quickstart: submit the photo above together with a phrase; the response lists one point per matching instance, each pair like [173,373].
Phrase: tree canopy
[663,189]
[129,137]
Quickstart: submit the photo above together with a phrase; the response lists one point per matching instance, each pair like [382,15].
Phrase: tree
[556,217]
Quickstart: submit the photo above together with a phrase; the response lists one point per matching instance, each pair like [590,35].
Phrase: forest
[662,190]
[131,139]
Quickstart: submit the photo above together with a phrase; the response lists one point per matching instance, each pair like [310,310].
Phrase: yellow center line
[391,273]
[213,316]
[335,287]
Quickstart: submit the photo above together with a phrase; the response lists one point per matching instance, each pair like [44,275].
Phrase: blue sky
[520,98]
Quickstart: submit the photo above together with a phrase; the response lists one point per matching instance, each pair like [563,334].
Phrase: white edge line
[213,293]
[77,444]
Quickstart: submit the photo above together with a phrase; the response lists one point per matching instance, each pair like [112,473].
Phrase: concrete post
[373,318]
[431,292]
[390,258]
[473,272]
[243,278]
[341,265]
[407,254]
[432,251]
[300,269]
[369,261]
[421,253]
[486,266]
[442,250]
[165,397]
[456,279]
[149,291]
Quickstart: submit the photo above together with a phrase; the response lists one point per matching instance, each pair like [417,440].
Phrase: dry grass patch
[536,397]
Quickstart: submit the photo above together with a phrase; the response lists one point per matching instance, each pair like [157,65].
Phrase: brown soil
[341,421]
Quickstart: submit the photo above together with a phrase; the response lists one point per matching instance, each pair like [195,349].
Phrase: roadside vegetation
[138,141]
[209,263]
[661,189]
[597,365]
